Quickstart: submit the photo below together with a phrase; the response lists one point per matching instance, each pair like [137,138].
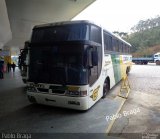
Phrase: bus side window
[114,44]
[120,47]
[117,46]
[126,47]
[110,43]
[107,42]
[95,34]
[129,49]
[123,48]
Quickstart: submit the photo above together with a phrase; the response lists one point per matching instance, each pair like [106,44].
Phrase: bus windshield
[58,64]
[61,33]
[59,53]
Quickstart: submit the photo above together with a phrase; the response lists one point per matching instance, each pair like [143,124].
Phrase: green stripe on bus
[116,67]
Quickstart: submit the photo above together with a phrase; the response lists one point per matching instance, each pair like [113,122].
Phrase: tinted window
[107,42]
[117,46]
[61,33]
[95,34]
[61,64]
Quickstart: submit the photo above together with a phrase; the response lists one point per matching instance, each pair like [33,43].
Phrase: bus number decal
[95,93]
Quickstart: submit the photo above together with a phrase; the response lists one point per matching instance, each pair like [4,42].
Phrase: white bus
[73,64]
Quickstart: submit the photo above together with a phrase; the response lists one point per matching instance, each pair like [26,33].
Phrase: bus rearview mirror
[94,58]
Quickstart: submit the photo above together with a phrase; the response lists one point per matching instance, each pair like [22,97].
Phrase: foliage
[147,52]
[145,35]
[144,39]
[146,24]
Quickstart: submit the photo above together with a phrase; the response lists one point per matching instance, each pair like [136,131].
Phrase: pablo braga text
[16,136]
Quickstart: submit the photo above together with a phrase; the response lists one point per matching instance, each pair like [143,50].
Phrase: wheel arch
[108,80]
[106,86]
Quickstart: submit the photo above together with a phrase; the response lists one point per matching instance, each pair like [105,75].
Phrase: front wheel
[106,88]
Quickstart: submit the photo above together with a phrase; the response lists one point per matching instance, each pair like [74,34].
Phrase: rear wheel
[157,62]
[127,70]
[145,63]
[106,87]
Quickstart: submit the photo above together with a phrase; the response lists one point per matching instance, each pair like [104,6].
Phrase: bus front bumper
[78,103]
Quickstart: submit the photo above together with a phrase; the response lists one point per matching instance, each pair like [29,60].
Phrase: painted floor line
[112,121]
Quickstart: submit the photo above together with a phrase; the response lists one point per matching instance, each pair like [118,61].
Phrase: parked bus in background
[73,64]
[22,61]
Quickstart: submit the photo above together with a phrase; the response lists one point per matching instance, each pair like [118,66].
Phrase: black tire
[157,62]
[106,87]
[128,70]
[24,81]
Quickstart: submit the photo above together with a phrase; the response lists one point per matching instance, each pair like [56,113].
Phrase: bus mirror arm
[90,66]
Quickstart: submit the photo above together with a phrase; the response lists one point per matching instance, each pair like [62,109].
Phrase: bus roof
[63,23]
[79,22]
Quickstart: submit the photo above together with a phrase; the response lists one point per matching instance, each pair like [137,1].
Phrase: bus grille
[53,91]
[42,90]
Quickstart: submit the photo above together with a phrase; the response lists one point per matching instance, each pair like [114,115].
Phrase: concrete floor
[145,96]
[18,115]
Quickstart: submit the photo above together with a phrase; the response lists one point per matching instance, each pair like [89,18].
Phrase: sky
[120,15]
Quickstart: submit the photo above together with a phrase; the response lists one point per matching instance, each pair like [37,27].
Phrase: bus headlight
[74,93]
[83,93]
